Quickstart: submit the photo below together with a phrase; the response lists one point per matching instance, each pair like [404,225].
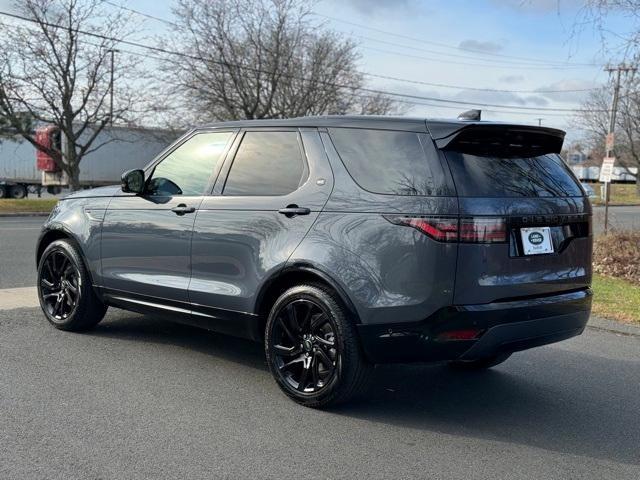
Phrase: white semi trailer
[24,169]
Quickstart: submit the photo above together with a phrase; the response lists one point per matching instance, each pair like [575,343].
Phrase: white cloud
[539,6]
[512,79]
[371,7]
[480,46]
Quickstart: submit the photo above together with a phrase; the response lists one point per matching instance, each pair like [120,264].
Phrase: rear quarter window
[391,162]
[488,176]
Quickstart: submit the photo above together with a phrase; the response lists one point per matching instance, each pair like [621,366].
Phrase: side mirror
[132,181]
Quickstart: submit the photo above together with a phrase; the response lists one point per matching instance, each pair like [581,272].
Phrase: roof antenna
[470,115]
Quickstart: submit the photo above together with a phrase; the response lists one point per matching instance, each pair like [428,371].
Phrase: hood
[108,191]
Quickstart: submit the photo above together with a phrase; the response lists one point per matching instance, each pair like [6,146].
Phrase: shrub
[618,255]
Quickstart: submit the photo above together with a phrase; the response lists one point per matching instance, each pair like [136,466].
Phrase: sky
[463,51]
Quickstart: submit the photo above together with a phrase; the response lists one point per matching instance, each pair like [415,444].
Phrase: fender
[312,270]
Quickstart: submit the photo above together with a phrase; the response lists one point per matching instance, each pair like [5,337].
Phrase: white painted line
[25,297]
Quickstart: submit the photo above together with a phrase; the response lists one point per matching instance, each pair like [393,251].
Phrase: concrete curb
[612,326]
[24,214]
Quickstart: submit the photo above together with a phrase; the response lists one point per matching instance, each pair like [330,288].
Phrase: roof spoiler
[502,140]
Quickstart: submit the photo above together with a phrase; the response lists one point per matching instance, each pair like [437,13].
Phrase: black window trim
[150,168]
[231,157]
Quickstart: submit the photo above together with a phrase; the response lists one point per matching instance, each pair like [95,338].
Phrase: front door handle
[293,210]
[182,209]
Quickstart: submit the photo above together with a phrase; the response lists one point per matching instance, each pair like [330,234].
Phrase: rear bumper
[502,327]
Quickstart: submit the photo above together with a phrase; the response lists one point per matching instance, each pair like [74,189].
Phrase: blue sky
[441,42]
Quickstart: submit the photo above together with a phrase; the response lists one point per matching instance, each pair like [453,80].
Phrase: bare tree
[55,74]
[594,121]
[264,59]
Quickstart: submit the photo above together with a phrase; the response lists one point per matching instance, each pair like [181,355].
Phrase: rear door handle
[293,210]
[182,209]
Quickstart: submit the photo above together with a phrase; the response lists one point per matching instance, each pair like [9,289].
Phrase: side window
[267,163]
[391,162]
[187,169]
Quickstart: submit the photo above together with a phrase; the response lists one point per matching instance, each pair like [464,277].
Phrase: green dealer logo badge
[536,238]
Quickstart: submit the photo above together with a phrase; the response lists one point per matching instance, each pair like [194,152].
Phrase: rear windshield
[391,162]
[486,176]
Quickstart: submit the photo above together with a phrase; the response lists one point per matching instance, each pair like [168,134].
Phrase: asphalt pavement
[139,397]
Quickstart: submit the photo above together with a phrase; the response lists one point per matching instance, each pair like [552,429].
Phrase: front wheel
[65,291]
[312,348]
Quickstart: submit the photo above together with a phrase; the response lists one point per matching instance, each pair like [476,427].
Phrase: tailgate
[494,272]
[538,235]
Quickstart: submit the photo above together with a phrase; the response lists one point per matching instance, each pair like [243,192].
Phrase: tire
[312,349]
[480,364]
[3,191]
[18,192]
[65,292]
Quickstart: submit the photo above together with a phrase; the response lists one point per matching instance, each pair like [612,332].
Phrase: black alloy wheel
[304,347]
[64,289]
[312,347]
[59,285]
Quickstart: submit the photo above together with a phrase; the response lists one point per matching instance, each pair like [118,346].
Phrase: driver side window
[186,170]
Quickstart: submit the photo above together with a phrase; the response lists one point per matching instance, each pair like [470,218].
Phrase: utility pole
[539,121]
[617,73]
[111,85]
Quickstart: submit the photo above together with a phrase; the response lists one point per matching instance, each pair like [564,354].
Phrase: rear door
[525,222]
[271,190]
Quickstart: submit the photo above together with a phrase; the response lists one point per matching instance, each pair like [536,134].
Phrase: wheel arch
[289,277]
[52,234]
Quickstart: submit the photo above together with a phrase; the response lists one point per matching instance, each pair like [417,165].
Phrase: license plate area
[536,240]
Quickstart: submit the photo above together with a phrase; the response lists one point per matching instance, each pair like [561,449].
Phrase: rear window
[487,176]
[391,162]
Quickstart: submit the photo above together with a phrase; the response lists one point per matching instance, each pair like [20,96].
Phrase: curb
[612,326]
[24,214]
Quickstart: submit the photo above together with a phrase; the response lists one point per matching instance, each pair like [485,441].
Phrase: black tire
[18,192]
[334,359]
[65,292]
[3,191]
[480,364]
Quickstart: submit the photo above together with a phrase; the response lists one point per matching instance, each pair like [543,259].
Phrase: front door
[146,239]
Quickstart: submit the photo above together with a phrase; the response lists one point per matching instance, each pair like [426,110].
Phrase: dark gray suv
[339,242]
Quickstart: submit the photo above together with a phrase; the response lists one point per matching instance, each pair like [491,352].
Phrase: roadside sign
[606,170]
[609,142]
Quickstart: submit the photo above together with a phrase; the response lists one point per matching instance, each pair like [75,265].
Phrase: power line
[460,87]
[501,62]
[483,65]
[444,45]
[256,70]
[168,22]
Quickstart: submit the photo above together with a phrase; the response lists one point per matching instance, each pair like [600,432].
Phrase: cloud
[371,7]
[480,46]
[512,79]
[539,6]
[501,98]
[568,97]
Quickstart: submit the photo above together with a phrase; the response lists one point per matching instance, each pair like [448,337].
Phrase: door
[146,239]
[265,201]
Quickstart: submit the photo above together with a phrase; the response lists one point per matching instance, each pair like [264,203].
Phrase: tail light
[452,229]
[483,230]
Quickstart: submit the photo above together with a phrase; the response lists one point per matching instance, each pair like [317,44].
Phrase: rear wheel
[18,192]
[65,291]
[480,364]
[312,349]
